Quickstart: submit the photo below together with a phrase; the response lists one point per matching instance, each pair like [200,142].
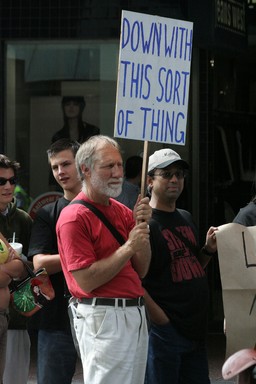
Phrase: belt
[138,302]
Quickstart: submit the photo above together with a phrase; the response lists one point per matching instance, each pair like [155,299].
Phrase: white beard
[104,188]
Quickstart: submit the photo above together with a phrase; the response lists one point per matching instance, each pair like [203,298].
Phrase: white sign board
[237,260]
[153,78]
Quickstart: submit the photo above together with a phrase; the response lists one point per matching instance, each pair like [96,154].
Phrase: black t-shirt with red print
[176,280]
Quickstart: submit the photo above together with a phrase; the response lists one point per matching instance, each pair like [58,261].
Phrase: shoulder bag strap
[195,249]
[188,244]
[103,218]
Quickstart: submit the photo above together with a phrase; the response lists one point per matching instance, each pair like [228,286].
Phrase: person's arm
[5,279]
[50,262]
[102,271]
[210,247]
[14,268]
[141,260]
[142,211]
[156,314]
[42,241]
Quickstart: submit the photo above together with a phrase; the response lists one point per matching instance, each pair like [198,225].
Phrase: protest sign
[237,260]
[153,78]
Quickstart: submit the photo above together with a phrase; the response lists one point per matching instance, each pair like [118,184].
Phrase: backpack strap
[103,218]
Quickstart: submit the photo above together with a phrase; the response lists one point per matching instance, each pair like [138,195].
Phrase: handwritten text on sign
[153,78]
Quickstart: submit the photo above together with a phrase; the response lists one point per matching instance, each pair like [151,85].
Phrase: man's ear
[150,181]
[85,170]
[149,186]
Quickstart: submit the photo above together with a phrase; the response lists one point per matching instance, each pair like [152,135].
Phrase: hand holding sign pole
[144,170]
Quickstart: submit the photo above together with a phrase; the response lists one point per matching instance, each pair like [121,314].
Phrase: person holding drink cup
[17,247]
[9,269]
[14,220]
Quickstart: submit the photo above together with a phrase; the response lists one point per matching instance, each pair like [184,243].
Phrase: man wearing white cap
[176,284]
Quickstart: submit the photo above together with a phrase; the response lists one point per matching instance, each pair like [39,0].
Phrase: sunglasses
[180,174]
[12,180]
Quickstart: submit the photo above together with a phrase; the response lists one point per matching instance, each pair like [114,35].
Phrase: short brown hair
[7,163]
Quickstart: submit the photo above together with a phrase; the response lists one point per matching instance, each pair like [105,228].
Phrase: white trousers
[17,357]
[113,343]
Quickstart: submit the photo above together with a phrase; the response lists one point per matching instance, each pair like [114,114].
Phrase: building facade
[51,49]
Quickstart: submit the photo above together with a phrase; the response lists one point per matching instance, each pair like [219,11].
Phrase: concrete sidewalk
[216,354]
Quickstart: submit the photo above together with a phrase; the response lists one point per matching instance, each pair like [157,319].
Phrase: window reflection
[38,75]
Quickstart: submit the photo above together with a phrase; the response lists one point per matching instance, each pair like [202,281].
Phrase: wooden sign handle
[144,170]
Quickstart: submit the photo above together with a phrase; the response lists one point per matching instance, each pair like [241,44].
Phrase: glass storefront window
[38,75]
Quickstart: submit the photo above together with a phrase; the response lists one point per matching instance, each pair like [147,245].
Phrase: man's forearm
[14,268]
[5,279]
[103,270]
[156,314]
[141,261]
[51,263]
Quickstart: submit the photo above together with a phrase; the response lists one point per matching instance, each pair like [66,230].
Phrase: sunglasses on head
[12,180]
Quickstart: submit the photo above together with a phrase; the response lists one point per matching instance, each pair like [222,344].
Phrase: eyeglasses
[12,180]
[180,174]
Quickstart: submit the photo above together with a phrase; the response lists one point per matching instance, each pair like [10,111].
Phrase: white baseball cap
[165,157]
